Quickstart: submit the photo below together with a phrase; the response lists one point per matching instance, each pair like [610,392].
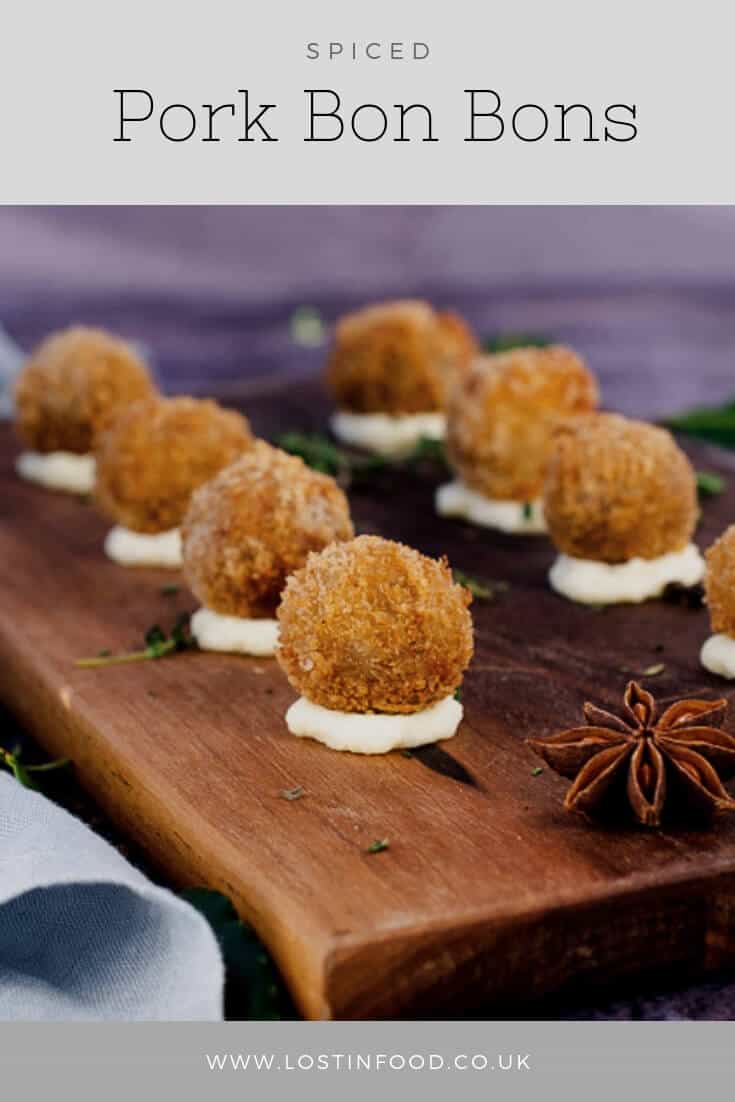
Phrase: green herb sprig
[320,453]
[22,772]
[713,423]
[157,645]
[254,988]
[505,342]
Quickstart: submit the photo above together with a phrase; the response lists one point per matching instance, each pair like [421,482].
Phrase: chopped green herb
[254,990]
[690,596]
[709,484]
[157,645]
[504,342]
[406,753]
[477,588]
[650,671]
[22,772]
[537,771]
[321,454]
[316,450]
[457,694]
[291,794]
[170,590]
[428,448]
[378,846]
[713,423]
[527,510]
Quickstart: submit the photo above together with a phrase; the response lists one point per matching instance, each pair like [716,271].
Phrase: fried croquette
[397,358]
[618,489]
[719,582]
[501,418]
[374,626]
[72,385]
[157,452]
[252,525]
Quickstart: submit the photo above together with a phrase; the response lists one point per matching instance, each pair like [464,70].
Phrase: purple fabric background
[647,294]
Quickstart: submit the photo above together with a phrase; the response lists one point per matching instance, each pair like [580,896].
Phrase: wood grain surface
[488,891]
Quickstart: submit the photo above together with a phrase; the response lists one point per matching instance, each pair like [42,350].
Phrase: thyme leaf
[316,450]
[22,772]
[378,845]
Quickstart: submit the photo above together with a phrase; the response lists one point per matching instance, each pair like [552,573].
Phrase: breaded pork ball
[156,453]
[374,626]
[397,358]
[72,385]
[719,582]
[255,523]
[501,418]
[618,489]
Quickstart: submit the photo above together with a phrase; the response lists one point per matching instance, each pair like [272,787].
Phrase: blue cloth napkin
[84,935]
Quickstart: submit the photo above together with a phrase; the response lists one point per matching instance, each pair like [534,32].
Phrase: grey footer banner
[359,1060]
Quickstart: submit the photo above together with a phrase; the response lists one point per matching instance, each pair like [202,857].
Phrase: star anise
[651,761]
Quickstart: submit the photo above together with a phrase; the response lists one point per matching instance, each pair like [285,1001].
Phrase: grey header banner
[287,102]
[334,1060]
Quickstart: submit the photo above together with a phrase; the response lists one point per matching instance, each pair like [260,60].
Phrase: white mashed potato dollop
[392,436]
[601,583]
[234,634]
[58,470]
[518,517]
[372,733]
[144,548]
[718,655]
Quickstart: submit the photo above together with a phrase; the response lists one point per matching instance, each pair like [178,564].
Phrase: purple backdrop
[647,294]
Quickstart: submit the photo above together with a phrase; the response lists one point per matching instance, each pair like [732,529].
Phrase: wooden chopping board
[489,893]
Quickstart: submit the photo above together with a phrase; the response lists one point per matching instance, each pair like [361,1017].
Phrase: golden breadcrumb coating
[251,526]
[397,358]
[618,489]
[501,418]
[719,582]
[157,452]
[374,626]
[72,385]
